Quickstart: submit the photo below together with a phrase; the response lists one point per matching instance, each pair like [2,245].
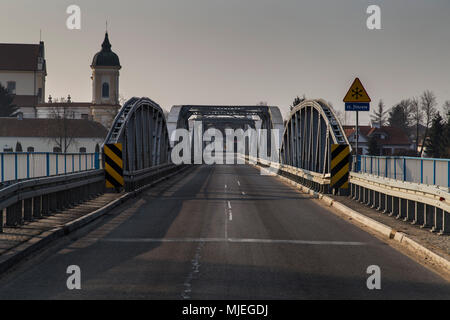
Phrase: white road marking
[194,271]
[226,186]
[229,205]
[231,215]
[233,240]
[226,224]
[239,184]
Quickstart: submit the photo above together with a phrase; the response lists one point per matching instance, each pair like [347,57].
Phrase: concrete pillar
[428,217]
[37,210]
[438,215]
[45,209]
[388,204]
[1,220]
[419,214]
[394,207]
[403,208]
[14,214]
[28,209]
[410,209]
[445,223]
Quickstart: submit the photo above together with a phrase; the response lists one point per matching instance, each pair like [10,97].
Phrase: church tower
[105,84]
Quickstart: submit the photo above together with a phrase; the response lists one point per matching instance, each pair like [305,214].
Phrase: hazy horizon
[243,52]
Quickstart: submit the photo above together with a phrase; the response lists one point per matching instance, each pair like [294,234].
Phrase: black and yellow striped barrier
[113,165]
[340,166]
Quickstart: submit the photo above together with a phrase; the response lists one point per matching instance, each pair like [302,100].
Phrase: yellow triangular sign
[357,93]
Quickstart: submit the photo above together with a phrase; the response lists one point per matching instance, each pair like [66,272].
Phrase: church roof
[106,57]
[21,57]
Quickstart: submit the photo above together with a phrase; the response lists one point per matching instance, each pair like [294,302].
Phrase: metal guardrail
[140,178]
[422,205]
[36,198]
[313,180]
[419,170]
[15,166]
[427,206]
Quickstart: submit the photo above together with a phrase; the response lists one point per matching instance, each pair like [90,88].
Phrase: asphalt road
[222,232]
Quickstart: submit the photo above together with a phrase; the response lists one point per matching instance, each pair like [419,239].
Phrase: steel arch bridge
[141,130]
[311,129]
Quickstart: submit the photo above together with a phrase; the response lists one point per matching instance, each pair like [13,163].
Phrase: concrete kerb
[17,254]
[374,225]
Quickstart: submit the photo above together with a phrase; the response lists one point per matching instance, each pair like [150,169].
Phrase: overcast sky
[242,51]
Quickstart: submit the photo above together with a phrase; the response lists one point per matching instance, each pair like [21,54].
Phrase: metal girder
[141,127]
[310,130]
[269,116]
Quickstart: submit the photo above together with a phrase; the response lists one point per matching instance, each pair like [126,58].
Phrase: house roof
[46,128]
[20,57]
[395,136]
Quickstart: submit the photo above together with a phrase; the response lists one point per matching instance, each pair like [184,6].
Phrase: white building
[51,135]
[22,72]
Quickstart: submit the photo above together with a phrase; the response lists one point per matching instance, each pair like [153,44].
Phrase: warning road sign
[357,93]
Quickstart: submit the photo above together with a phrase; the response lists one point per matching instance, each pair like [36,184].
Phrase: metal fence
[16,166]
[419,170]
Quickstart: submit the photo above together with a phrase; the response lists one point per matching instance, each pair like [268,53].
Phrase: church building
[105,85]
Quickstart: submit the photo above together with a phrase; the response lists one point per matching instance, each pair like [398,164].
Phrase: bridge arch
[310,130]
[140,126]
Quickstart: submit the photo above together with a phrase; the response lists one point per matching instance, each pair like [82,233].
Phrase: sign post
[357,100]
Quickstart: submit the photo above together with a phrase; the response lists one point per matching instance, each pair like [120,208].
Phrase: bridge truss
[311,129]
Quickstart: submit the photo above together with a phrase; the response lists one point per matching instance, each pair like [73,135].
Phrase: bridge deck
[222,232]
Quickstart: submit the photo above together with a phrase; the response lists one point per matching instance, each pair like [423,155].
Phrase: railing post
[434,172]
[56,166]
[421,170]
[448,174]
[65,163]
[395,168]
[73,163]
[404,169]
[3,167]
[48,163]
[371,165]
[28,165]
[16,171]
[379,166]
[97,160]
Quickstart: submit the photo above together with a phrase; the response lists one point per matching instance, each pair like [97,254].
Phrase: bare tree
[59,130]
[379,115]
[446,108]
[297,101]
[416,118]
[428,104]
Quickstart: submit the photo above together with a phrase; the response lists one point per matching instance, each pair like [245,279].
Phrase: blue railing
[420,170]
[16,166]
